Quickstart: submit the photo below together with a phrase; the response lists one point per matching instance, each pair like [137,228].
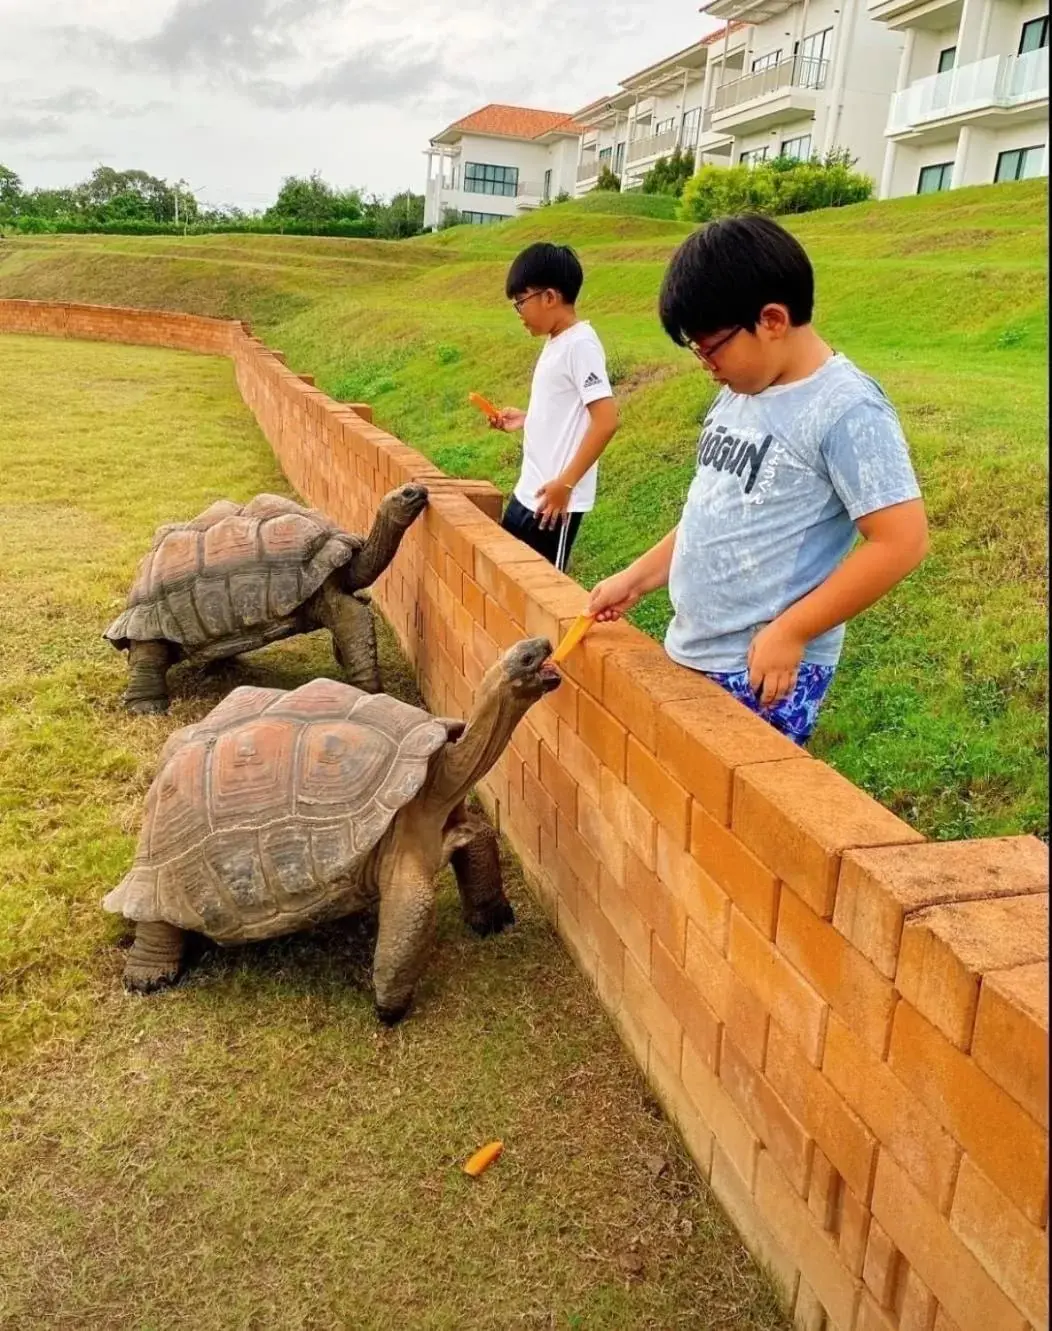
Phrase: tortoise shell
[232,579]
[262,817]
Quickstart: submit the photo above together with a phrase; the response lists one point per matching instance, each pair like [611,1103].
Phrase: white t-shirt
[570,373]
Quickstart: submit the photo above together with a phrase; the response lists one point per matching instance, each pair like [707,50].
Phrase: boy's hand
[612,597]
[508,419]
[774,661]
[554,500]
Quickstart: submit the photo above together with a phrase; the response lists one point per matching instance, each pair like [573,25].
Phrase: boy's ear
[775,320]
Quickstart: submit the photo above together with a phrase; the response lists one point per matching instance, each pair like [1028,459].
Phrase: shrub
[784,185]
[669,174]
[607,181]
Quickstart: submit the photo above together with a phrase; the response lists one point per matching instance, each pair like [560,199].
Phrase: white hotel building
[925,94]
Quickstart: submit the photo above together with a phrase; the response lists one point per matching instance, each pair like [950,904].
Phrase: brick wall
[848,1024]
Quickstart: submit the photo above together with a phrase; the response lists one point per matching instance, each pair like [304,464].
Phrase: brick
[956,1279]
[943,1322]
[605,842]
[526,743]
[500,627]
[574,936]
[579,761]
[562,702]
[551,610]
[880,1269]
[761,1107]
[871,1317]
[584,665]
[892,1112]
[558,783]
[918,1305]
[734,1195]
[631,928]
[808,1313]
[606,737]
[576,854]
[546,724]
[657,905]
[787,1214]
[692,1127]
[665,799]
[852,1230]
[751,886]
[736,1005]
[946,951]
[1010,1249]
[563,881]
[783,991]
[854,988]
[823,1193]
[799,817]
[523,829]
[636,825]
[474,599]
[637,682]
[700,1024]
[704,901]
[734,1135]
[878,888]
[1011,1035]
[647,1007]
[840,1133]
[630,1025]
[703,742]
[1003,1140]
[607,943]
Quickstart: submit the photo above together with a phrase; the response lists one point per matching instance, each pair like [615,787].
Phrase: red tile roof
[718,35]
[514,122]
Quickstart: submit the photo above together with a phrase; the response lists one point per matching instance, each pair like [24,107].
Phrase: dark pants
[522,523]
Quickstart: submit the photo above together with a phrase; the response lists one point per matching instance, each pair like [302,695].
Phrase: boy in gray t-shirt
[799,454]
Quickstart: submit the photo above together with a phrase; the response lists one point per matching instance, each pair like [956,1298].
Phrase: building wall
[531,160]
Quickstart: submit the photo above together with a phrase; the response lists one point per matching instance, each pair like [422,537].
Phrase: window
[935,178]
[481,219]
[605,154]
[548,184]
[691,125]
[1034,35]
[619,158]
[799,148]
[947,59]
[1019,164]
[481,178]
[753,155]
[663,126]
[766,61]
[812,55]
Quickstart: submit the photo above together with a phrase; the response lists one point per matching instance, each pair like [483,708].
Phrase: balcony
[660,145]
[588,170]
[984,92]
[769,96]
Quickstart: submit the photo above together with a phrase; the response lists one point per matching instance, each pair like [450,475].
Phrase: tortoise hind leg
[155,958]
[147,692]
[479,880]
[353,629]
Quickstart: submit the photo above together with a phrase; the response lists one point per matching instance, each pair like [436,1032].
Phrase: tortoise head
[397,512]
[404,505]
[526,672]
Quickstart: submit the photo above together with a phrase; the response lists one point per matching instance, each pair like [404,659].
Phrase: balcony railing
[798,72]
[652,145]
[588,169]
[530,189]
[1001,81]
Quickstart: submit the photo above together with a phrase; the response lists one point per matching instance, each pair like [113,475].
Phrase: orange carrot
[483,1158]
[485,406]
[574,634]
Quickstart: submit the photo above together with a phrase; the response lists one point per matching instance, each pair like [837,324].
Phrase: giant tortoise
[284,809]
[241,576]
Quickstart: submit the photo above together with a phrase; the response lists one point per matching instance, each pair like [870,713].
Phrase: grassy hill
[939,705]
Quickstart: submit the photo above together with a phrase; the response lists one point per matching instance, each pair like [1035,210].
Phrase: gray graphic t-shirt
[782,477]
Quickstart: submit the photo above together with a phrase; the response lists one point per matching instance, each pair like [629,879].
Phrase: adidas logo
[592,380]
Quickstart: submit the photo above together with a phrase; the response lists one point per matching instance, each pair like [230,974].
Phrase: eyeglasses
[715,347]
[520,301]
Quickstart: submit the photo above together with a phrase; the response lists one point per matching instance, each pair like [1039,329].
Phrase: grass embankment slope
[250,1150]
[939,706]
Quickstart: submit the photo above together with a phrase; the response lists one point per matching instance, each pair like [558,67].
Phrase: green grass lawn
[939,705]
[250,1150]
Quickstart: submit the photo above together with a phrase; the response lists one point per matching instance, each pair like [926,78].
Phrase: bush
[669,174]
[607,181]
[784,185]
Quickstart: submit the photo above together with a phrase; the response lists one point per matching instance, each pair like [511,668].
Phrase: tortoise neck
[464,762]
[379,549]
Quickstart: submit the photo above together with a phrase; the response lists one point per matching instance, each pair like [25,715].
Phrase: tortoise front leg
[407,930]
[353,629]
[147,692]
[477,868]
[155,958]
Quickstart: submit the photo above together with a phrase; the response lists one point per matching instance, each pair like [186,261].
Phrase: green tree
[607,180]
[400,216]
[669,174]
[309,201]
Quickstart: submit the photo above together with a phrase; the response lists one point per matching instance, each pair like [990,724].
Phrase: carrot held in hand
[573,636]
[484,405]
[483,1158]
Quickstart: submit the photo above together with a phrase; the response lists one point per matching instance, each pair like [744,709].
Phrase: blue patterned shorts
[796,715]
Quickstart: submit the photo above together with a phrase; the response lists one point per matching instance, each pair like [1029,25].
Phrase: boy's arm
[615,595]
[554,496]
[895,540]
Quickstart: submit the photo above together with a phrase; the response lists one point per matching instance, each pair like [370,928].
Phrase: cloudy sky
[233,95]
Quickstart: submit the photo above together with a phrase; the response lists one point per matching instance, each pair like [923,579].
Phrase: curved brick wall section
[849,1025]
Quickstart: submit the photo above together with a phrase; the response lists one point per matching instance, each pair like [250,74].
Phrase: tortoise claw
[492,919]
[391,1016]
[148,707]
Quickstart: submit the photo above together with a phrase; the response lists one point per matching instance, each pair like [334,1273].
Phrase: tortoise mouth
[550,677]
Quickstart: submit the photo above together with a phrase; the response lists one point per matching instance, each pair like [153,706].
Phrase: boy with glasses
[799,454]
[572,415]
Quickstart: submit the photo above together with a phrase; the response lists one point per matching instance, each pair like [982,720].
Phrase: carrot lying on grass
[484,405]
[483,1158]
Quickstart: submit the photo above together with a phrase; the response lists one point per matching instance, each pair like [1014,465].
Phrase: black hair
[545,266]
[725,273]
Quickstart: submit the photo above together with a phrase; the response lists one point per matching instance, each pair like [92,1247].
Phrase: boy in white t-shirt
[572,415]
